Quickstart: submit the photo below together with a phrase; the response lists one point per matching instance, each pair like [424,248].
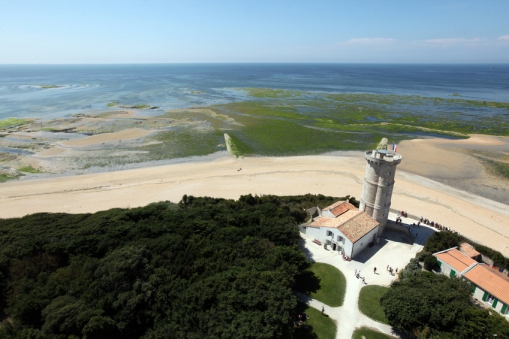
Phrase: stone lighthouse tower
[379,183]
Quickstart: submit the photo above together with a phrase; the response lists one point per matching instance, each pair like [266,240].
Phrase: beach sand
[337,174]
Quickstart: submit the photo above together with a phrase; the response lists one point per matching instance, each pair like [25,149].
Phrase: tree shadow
[307,282]
[307,253]
[306,331]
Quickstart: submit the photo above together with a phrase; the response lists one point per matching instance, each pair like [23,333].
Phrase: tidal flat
[265,122]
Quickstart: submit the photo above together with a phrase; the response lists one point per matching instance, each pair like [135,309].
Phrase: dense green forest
[205,268]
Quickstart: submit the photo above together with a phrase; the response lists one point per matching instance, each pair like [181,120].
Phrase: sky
[210,31]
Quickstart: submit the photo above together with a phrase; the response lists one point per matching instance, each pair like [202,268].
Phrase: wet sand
[127,134]
[459,163]
[339,174]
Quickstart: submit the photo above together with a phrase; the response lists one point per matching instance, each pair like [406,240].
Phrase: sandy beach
[336,174]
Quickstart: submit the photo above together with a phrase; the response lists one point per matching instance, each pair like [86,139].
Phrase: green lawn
[369,334]
[369,302]
[320,324]
[332,284]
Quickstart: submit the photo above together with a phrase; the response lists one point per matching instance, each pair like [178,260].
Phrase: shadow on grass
[315,326]
[307,283]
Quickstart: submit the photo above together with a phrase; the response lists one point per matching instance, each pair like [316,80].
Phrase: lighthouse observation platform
[381,155]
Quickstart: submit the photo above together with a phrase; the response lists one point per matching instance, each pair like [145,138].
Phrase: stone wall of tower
[378,184]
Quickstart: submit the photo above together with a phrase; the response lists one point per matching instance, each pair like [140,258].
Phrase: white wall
[479,294]
[363,242]
[446,269]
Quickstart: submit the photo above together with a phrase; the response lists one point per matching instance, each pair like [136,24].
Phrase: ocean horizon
[51,91]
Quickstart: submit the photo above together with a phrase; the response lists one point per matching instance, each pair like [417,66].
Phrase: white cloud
[371,41]
[503,38]
[452,41]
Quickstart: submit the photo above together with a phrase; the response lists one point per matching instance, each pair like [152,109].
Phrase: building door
[333,247]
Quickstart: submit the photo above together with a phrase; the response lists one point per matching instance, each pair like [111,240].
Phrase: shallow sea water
[171,86]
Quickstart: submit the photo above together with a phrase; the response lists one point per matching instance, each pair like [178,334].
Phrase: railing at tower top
[384,155]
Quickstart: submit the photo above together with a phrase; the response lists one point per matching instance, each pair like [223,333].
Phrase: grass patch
[11,122]
[369,302]
[332,284]
[319,324]
[113,103]
[369,334]
[29,169]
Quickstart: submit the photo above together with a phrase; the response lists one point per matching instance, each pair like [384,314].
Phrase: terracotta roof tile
[490,281]
[340,207]
[456,259]
[353,224]
[469,250]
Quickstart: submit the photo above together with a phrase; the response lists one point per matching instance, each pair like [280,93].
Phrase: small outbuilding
[488,285]
[452,262]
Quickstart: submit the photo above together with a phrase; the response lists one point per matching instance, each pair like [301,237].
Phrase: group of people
[302,318]
[390,270]
[435,225]
[358,276]
[345,257]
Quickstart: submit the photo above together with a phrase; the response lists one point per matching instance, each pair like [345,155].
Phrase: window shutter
[504,308]
[439,264]
[473,289]
[453,273]
[485,296]
[495,303]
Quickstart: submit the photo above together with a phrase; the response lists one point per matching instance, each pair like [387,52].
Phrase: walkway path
[348,317]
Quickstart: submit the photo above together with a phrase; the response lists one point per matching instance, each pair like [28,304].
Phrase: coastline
[475,217]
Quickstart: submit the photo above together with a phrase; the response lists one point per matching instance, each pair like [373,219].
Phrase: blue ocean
[50,91]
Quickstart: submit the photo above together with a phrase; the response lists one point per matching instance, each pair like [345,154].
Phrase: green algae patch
[29,169]
[139,106]
[50,86]
[113,103]
[6,177]
[497,168]
[271,93]
[12,122]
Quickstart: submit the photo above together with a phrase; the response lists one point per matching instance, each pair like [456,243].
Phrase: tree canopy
[206,267]
[428,305]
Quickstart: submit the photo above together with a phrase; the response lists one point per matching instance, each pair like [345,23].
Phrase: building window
[490,299]
[341,239]
[329,233]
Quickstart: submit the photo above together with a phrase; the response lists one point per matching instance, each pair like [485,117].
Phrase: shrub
[430,262]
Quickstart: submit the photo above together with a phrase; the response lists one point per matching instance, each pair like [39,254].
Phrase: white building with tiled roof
[452,262]
[489,285]
[342,227]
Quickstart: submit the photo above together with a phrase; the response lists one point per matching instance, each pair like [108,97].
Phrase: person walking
[323,309]
[374,270]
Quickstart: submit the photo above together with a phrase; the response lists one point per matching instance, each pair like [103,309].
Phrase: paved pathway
[388,252]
